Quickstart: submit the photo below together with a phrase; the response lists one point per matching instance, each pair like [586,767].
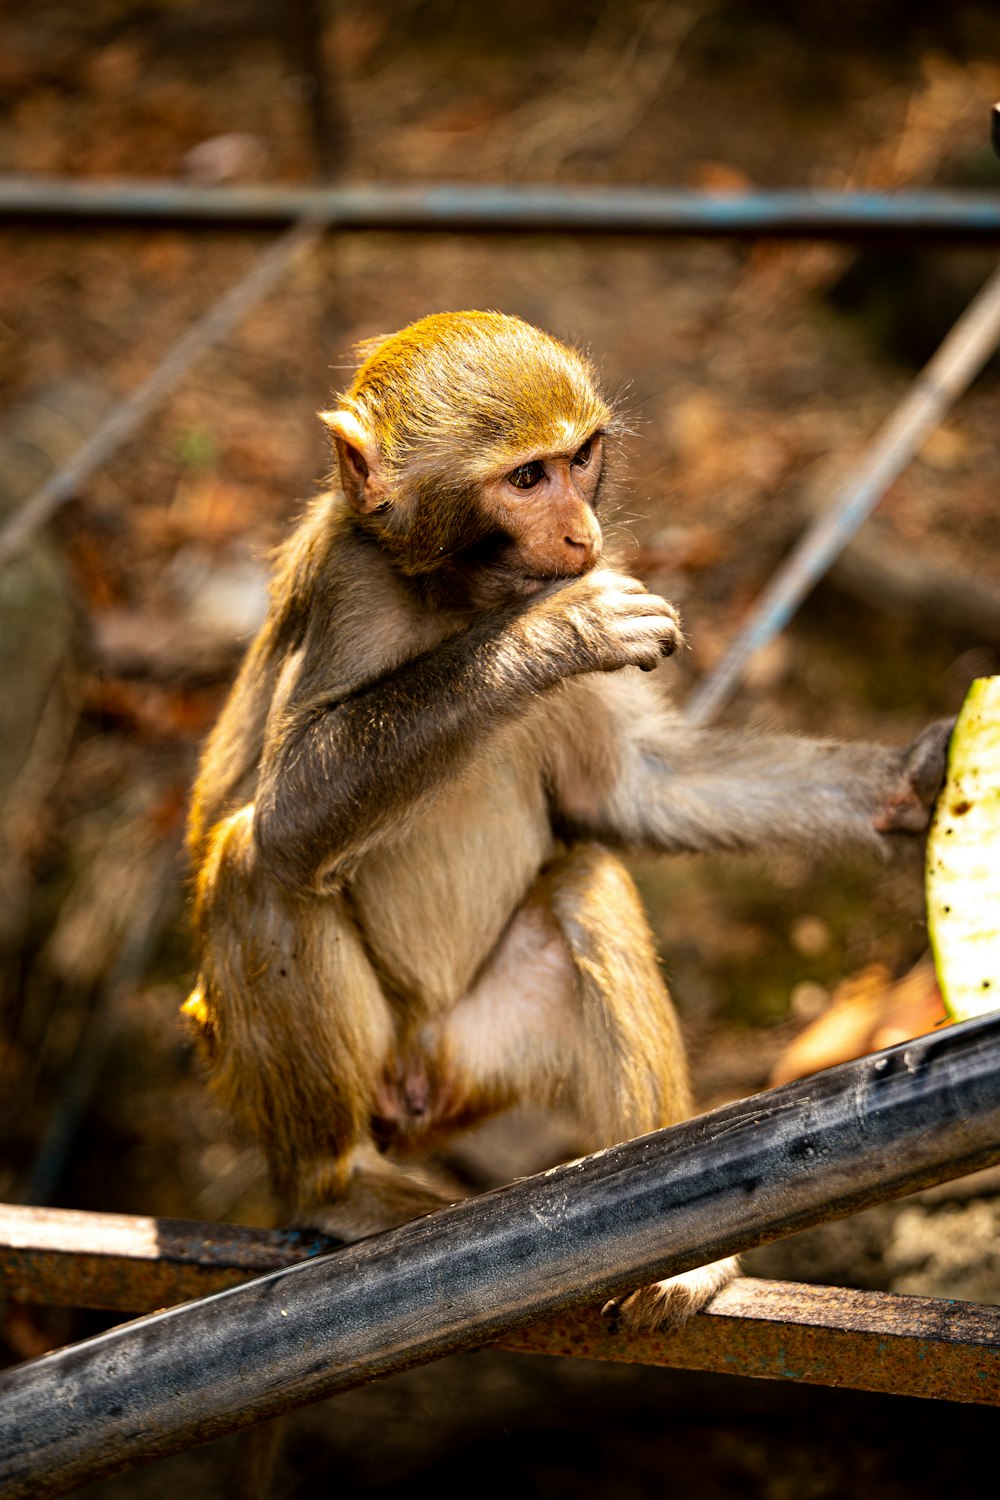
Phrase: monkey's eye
[583,454]
[527,476]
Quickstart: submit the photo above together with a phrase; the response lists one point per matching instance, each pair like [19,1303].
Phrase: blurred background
[752,374]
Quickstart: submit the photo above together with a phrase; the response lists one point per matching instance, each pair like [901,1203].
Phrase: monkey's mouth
[527,585]
[536,581]
[500,573]
[521,585]
[492,588]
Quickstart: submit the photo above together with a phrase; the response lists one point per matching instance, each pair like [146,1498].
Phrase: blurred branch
[961,356]
[159,878]
[26,796]
[231,308]
[889,575]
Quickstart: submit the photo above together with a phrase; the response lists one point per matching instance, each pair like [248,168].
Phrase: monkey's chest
[434,903]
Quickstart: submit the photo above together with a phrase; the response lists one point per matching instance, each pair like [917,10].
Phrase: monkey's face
[544,526]
[470,447]
[502,537]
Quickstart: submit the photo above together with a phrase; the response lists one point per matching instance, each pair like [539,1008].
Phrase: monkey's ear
[359,460]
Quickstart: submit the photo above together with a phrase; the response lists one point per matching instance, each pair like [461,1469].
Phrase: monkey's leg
[632,1042]
[573,1012]
[296,1031]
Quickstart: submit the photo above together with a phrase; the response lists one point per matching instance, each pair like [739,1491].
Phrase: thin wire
[266,273]
[943,379]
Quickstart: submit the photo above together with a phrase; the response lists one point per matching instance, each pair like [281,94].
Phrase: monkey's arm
[658,784]
[341,770]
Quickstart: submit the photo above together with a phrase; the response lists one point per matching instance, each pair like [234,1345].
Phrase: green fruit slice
[963,860]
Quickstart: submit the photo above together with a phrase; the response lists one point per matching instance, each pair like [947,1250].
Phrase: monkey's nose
[582,552]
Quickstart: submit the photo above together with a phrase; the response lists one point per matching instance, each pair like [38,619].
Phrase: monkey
[409,821]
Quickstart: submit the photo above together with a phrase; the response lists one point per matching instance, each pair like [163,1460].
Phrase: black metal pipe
[748,1173]
[943,214]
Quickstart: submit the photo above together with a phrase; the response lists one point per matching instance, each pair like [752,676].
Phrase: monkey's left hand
[907,809]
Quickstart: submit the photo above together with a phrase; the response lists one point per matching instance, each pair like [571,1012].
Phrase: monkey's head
[471,447]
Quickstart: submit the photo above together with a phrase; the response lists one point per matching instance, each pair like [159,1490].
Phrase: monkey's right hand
[600,623]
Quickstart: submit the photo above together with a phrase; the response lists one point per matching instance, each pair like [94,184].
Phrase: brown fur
[409,910]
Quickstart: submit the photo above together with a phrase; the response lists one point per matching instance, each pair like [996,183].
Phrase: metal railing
[743,1175]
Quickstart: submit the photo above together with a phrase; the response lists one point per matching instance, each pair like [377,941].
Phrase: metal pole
[948,373]
[822,1335]
[751,1172]
[949,214]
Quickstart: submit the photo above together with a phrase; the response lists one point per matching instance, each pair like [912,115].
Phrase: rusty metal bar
[495,208]
[811,1335]
[813,1150]
[262,278]
[61,1257]
[949,372]
[872,1341]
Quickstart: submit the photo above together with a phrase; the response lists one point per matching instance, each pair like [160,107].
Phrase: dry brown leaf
[866,1012]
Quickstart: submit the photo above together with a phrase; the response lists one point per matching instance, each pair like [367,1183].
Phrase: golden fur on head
[483,385]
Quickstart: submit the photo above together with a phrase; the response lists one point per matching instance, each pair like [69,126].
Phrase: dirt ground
[751,376]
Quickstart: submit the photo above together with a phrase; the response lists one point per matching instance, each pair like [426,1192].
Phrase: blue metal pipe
[553,210]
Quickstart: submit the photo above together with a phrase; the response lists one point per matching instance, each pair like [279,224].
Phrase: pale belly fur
[433,904]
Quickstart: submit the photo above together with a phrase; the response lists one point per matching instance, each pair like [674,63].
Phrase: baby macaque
[407,827]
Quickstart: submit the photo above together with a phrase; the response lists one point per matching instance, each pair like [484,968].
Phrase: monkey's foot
[366,1192]
[369,1211]
[668,1304]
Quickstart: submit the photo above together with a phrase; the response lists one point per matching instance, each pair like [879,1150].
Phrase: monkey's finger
[610,1312]
[927,759]
[648,657]
[644,654]
[648,1309]
[924,766]
[643,610]
[639,597]
[664,1305]
[647,606]
[658,631]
